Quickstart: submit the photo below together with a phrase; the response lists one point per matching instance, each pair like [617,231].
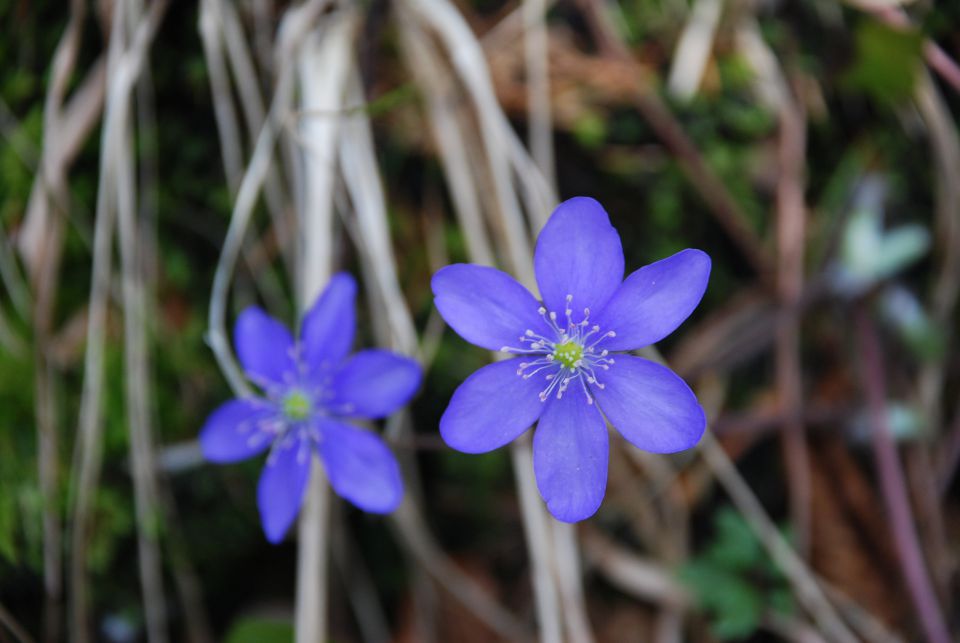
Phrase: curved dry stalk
[450,140]
[358,165]
[466,55]
[225,114]
[213,32]
[296,24]
[254,112]
[239,221]
[125,65]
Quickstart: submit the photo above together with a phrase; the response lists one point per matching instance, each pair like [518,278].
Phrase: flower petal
[654,300]
[570,454]
[280,492]
[360,467]
[231,433]
[373,384]
[578,253]
[650,405]
[264,347]
[328,327]
[491,408]
[486,306]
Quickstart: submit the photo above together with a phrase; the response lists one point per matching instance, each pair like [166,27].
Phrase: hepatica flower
[312,390]
[568,371]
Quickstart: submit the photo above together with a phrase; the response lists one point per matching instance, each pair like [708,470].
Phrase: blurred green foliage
[888,61]
[734,580]
[260,630]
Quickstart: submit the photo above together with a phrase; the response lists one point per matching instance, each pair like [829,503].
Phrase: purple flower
[569,374]
[311,391]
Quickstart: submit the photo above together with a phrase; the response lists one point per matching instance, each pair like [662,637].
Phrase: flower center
[569,353]
[571,357]
[296,406]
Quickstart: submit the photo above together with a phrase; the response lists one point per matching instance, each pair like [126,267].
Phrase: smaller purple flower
[570,373]
[312,390]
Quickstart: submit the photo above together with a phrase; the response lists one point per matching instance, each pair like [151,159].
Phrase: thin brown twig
[720,203]
[16,630]
[642,578]
[414,533]
[805,585]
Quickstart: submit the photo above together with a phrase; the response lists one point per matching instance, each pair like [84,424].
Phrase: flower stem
[326,49]
[539,542]
[311,606]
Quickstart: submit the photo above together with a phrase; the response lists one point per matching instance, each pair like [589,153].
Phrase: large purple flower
[568,374]
[311,389]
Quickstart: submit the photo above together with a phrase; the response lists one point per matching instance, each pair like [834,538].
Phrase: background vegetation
[810,147]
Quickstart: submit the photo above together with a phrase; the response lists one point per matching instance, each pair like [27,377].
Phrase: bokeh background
[809,146]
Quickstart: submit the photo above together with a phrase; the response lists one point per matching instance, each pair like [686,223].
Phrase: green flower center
[296,406]
[569,353]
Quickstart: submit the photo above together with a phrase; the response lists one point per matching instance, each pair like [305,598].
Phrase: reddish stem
[893,484]
[791,228]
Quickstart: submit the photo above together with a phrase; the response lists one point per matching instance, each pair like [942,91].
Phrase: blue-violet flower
[311,391]
[568,374]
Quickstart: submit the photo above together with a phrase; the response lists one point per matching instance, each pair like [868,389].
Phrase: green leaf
[733,603]
[260,630]
[901,247]
[888,61]
[735,547]
[590,130]
[902,310]
[870,254]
